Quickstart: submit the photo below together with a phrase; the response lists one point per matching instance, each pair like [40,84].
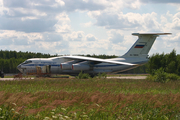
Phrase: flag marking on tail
[139,46]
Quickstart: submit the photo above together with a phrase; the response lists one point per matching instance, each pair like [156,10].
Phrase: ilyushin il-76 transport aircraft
[72,65]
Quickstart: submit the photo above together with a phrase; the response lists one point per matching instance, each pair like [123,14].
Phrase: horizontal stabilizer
[137,34]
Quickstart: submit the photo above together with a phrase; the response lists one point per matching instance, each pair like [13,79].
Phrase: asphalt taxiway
[10,79]
[129,77]
[113,77]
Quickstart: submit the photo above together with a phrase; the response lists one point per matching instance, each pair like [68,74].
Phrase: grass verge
[49,98]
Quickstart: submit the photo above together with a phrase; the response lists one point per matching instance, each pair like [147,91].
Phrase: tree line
[9,60]
[169,62]
[21,55]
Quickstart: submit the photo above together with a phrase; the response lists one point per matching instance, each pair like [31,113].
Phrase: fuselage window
[27,62]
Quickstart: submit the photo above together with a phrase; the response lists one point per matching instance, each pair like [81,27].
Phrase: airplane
[137,55]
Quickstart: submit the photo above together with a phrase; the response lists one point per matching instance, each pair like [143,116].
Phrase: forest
[9,60]
[169,62]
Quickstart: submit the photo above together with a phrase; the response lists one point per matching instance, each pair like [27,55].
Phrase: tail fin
[143,45]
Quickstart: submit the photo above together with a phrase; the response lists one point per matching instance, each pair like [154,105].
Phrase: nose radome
[19,68]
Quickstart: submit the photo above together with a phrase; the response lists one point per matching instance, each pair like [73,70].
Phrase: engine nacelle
[68,65]
[80,67]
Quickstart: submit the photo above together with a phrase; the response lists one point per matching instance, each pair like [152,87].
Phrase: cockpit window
[27,61]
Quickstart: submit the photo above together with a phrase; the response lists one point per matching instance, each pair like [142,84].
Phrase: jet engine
[81,66]
[68,65]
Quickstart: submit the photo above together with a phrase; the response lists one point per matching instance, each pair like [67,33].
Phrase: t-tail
[143,45]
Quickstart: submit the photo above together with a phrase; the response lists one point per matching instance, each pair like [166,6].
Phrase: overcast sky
[87,26]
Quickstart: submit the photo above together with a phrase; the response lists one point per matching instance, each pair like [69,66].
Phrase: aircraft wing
[96,60]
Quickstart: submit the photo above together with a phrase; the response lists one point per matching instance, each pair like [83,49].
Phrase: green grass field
[57,98]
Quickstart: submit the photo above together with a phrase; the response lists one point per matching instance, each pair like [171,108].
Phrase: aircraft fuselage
[29,66]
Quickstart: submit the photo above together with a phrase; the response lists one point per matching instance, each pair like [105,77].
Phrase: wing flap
[96,60]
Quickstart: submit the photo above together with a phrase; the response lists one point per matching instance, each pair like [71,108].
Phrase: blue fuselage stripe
[41,65]
[111,65]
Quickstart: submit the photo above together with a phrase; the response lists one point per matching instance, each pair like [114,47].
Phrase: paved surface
[5,79]
[121,77]
[128,77]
